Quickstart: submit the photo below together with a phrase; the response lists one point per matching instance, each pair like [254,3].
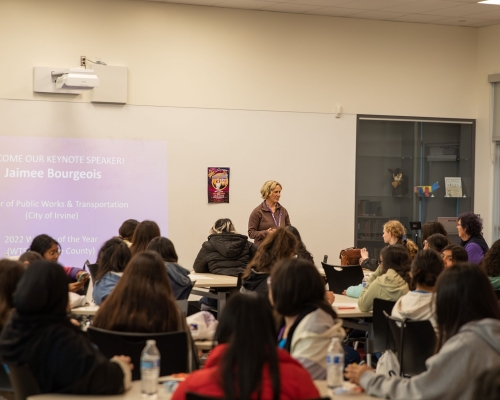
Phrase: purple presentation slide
[79,191]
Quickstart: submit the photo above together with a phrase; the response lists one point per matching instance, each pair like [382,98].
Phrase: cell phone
[82,277]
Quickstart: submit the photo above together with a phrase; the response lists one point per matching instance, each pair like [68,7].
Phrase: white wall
[205,58]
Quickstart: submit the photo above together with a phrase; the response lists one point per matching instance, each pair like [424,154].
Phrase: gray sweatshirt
[451,374]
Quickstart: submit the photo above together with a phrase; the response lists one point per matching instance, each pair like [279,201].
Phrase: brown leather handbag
[350,256]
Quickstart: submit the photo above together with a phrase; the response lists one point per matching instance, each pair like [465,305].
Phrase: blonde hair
[395,228]
[268,187]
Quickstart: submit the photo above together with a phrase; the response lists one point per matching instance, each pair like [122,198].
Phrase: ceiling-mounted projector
[76,78]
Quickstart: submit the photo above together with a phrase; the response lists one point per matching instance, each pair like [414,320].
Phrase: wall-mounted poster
[218,185]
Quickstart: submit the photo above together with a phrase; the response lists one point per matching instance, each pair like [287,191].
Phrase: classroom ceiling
[441,12]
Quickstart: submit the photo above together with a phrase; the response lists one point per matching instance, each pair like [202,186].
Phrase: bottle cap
[151,342]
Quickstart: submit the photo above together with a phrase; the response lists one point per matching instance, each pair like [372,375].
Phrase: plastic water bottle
[150,369]
[335,364]
[363,282]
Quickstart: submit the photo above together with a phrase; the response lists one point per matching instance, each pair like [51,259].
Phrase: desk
[351,313]
[135,393]
[208,281]
[87,310]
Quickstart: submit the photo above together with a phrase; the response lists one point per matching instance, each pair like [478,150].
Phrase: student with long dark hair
[390,280]
[178,276]
[277,245]
[432,227]
[297,292]
[142,300]
[143,234]
[10,275]
[247,364]
[453,254]
[418,304]
[60,356]
[112,259]
[50,250]
[126,231]
[468,343]
[436,242]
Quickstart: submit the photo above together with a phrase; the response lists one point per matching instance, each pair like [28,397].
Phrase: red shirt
[296,383]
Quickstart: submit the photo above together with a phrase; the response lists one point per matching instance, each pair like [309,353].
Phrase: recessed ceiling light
[497,2]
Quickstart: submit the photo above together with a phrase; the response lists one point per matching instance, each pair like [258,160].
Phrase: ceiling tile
[335,11]
[418,18]
[375,4]
[374,14]
[324,3]
[463,10]
[290,8]
[421,6]
[460,21]
[495,15]
[245,4]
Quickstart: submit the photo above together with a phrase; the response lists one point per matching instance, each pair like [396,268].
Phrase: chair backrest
[415,341]
[381,338]
[173,347]
[93,270]
[183,306]
[239,281]
[23,381]
[340,278]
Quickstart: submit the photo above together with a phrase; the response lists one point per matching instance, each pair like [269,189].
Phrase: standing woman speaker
[269,215]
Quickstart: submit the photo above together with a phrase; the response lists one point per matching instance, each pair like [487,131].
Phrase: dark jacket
[255,282]
[224,254]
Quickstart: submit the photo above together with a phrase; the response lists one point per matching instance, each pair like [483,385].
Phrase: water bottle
[363,282]
[150,369]
[335,364]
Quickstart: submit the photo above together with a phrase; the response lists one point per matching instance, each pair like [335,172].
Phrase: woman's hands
[364,255]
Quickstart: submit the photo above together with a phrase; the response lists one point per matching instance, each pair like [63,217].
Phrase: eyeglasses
[53,253]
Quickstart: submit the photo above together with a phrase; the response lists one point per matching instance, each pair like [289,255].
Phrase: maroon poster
[218,185]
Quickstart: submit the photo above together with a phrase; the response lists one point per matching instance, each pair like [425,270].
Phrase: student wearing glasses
[50,250]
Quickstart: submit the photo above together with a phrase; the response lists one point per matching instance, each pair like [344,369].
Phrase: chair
[497,291]
[173,347]
[415,343]
[379,336]
[23,381]
[340,278]
[183,305]
[93,270]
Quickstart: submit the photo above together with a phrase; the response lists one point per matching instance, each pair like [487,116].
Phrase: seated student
[390,280]
[126,231]
[436,242]
[144,278]
[491,264]
[225,252]
[432,227]
[29,256]
[50,250]
[468,343]
[393,233]
[297,292]
[277,245]
[453,254]
[39,330]
[10,275]
[470,231]
[143,234]
[112,259]
[247,363]
[418,304]
[178,276]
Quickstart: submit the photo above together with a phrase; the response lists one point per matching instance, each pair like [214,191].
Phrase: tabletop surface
[347,307]
[135,393]
[213,280]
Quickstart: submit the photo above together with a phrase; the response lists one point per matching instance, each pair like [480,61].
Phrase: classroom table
[86,310]
[347,309]
[222,282]
[135,393]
